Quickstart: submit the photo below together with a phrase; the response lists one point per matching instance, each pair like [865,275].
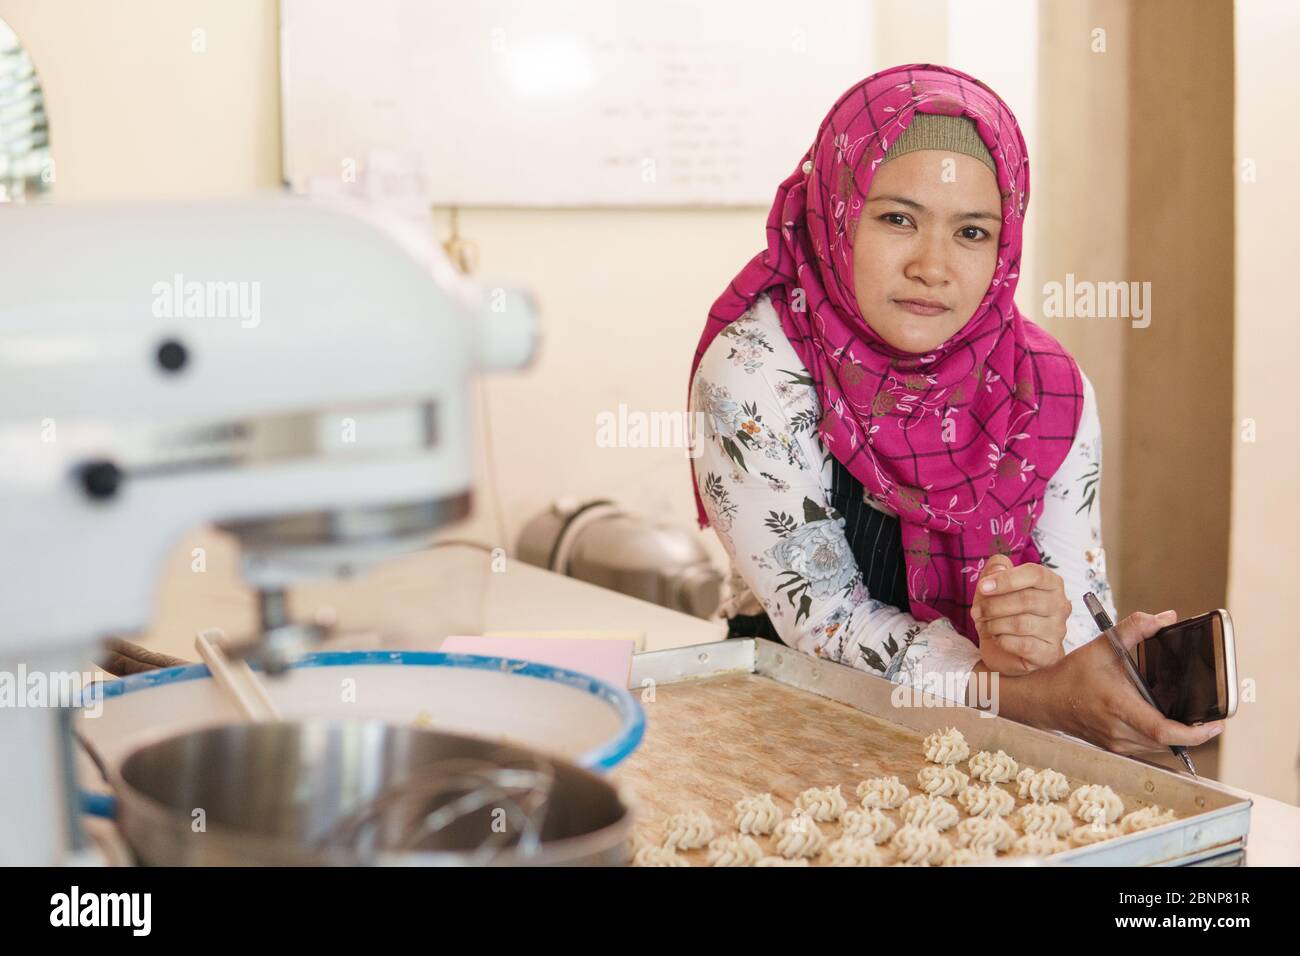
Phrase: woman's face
[928,233]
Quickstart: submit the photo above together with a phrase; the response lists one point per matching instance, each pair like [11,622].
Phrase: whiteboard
[565,102]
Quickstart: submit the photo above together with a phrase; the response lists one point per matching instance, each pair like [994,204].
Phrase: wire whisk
[411,813]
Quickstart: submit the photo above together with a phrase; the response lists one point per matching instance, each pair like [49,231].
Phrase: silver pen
[1107,628]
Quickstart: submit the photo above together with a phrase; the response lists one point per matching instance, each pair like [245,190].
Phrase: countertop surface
[417,599]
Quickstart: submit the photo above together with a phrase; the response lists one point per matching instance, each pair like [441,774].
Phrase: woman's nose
[928,262]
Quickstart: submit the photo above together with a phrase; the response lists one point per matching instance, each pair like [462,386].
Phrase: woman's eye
[889,217]
[979,233]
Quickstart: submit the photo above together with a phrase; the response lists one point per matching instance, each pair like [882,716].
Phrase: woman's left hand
[1023,618]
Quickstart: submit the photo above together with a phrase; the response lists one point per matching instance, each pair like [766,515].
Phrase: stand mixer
[293,371]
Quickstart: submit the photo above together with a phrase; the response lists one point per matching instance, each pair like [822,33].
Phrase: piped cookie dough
[985,833]
[1095,802]
[941,781]
[870,824]
[882,793]
[924,846]
[1091,833]
[822,803]
[1042,786]
[1038,844]
[798,836]
[1050,819]
[688,831]
[946,746]
[854,851]
[757,814]
[925,811]
[1145,818]
[986,800]
[658,856]
[990,767]
[734,851]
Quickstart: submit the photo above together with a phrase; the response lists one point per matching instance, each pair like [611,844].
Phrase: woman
[903,469]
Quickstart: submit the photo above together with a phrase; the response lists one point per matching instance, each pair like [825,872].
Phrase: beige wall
[136,112]
[1261,746]
[1079,194]
[624,295]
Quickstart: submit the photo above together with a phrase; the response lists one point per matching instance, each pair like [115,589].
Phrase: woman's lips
[919,307]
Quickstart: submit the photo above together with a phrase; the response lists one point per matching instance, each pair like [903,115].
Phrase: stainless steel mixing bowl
[361,792]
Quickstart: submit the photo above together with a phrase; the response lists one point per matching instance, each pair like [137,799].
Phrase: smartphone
[1191,668]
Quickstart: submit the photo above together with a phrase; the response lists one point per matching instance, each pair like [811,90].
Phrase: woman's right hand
[1088,695]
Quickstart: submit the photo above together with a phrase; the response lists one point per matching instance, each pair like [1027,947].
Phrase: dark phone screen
[1179,669]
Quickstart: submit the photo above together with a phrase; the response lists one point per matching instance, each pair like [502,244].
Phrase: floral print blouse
[765,478]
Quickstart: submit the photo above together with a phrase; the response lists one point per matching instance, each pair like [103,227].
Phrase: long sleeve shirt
[759,459]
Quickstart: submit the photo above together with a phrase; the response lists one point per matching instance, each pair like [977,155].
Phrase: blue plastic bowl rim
[602,758]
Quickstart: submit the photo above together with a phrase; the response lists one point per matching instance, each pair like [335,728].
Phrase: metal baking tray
[1212,822]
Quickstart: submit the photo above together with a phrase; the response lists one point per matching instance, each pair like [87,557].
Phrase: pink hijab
[1012,395]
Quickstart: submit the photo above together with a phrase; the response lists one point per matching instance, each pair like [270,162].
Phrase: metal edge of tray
[694,661]
[1213,821]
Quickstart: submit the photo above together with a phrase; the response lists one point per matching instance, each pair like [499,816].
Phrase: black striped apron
[876,540]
